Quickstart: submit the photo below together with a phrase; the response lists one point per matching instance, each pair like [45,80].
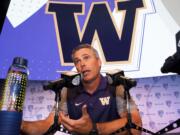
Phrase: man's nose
[82,62]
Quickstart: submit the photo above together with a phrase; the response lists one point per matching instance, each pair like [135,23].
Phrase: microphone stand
[169,127]
[55,126]
[130,124]
[56,86]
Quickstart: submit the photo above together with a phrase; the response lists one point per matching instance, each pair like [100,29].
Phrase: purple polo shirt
[101,104]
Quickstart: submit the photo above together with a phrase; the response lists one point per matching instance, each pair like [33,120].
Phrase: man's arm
[37,127]
[41,126]
[112,126]
[123,110]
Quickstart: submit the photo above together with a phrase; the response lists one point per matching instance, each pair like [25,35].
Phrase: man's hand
[82,125]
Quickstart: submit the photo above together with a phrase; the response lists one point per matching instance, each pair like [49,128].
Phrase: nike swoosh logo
[78,104]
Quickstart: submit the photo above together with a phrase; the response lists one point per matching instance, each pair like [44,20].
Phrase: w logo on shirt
[104,100]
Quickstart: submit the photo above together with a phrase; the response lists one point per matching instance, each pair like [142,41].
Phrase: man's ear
[99,61]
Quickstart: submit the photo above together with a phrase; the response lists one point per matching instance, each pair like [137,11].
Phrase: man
[95,98]
[94,107]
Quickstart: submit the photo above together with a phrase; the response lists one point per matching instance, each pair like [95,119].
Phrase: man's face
[87,63]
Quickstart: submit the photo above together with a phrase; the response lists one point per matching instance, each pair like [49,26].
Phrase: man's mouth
[85,72]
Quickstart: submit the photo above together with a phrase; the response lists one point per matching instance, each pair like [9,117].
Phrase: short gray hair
[81,46]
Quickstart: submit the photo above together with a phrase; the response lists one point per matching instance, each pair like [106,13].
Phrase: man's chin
[87,80]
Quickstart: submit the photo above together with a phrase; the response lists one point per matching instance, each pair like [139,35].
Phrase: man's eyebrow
[85,54]
[76,59]
[82,55]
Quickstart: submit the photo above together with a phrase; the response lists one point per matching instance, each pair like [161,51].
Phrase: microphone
[68,79]
[59,83]
[117,78]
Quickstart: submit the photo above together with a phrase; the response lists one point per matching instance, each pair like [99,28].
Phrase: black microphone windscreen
[54,84]
[118,78]
[68,79]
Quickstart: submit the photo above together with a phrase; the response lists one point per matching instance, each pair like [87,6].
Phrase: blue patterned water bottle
[12,99]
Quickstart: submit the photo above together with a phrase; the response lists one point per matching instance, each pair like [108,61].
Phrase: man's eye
[86,57]
[76,61]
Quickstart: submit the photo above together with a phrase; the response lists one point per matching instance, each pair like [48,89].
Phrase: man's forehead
[83,51]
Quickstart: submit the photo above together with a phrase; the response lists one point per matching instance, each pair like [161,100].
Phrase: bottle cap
[20,61]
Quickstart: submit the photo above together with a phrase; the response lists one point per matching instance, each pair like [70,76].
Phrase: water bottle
[12,99]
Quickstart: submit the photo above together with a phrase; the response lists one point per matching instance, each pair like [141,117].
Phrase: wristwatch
[94,130]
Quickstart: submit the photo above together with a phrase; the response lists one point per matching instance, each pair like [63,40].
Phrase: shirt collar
[102,85]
